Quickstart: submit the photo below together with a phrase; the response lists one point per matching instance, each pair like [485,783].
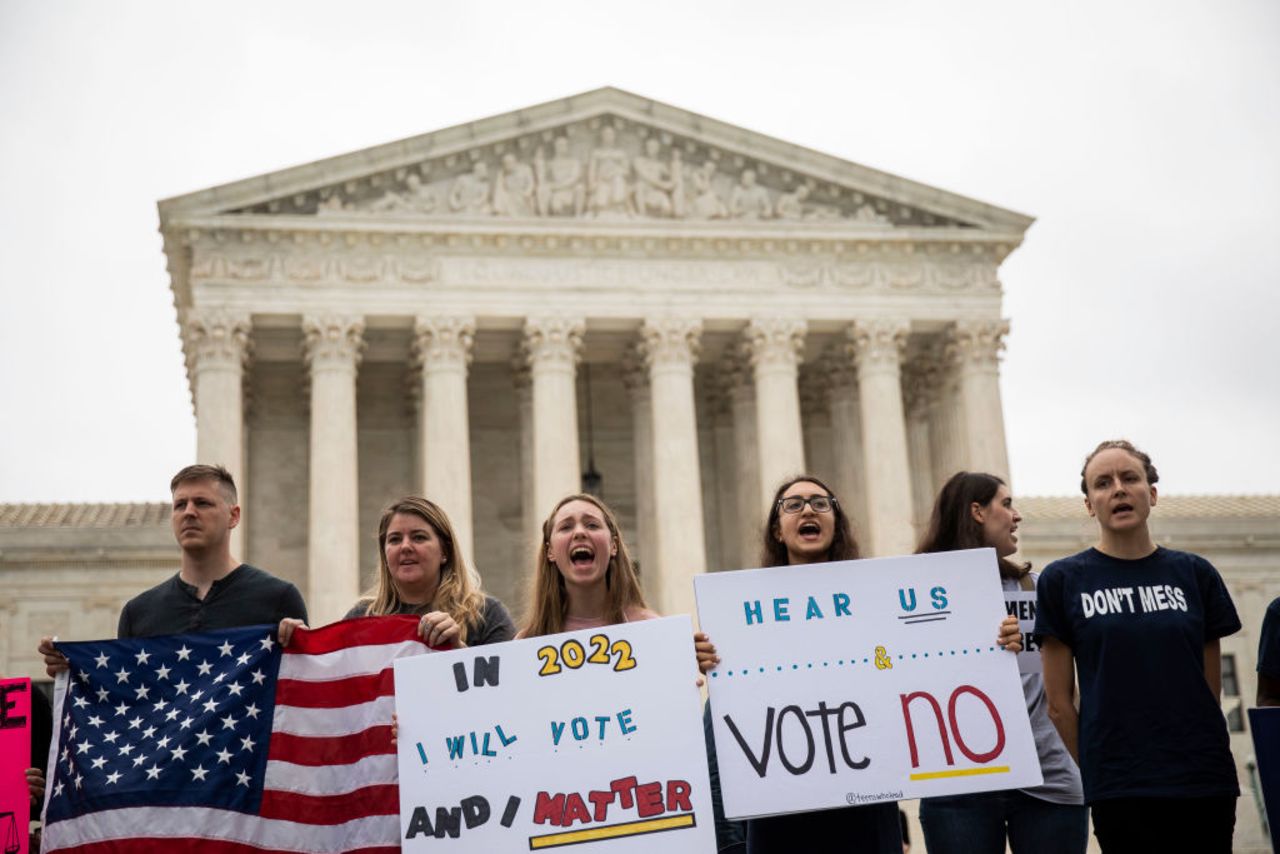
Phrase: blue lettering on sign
[813,610]
[580,726]
[624,722]
[753,612]
[902,597]
[938,595]
[481,743]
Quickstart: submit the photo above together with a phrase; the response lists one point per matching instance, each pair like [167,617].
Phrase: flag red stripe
[331,809]
[336,693]
[154,845]
[356,632]
[331,750]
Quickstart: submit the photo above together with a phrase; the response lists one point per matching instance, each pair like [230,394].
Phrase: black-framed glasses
[795,503]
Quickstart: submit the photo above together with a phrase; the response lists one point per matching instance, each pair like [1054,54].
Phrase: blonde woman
[584,577]
[420,571]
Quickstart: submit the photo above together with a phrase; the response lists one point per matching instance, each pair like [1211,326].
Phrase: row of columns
[874,437]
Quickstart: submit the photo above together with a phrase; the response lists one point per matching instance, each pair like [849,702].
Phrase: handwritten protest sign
[1265,724]
[15,759]
[863,681]
[1022,604]
[590,739]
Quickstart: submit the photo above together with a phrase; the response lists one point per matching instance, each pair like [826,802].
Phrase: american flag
[223,742]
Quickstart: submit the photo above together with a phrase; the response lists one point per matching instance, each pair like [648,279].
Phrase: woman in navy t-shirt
[1140,624]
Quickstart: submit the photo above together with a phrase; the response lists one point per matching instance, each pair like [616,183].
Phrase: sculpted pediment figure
[603,156]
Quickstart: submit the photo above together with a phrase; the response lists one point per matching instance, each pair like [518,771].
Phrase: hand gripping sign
[590,739]
[863,681]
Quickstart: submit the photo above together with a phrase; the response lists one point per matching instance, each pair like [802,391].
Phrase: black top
[1150,726]
[1269,642]
[246,596]
[495,624]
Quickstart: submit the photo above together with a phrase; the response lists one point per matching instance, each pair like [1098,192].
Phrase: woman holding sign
[975,511]
[420,571]
[1144,622]
[584,576]
[807,524]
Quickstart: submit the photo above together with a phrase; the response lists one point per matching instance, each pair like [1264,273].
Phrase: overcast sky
[1144,136]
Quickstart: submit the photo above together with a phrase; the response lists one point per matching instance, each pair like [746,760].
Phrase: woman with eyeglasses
[975,510]
[807,524]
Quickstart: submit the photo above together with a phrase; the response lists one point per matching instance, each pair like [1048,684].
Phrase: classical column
[877,347]
[776,345]
[442,352]
[670,348]
[523,382]
[920,394]
[742,409]
[843,400]
[552,346]
[635,376]
[975,347]
[815,414]
[722,501]
[333,348]
[946,426]
[218,350]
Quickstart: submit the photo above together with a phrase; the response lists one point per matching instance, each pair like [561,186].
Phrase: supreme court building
[605,290]
[483,312]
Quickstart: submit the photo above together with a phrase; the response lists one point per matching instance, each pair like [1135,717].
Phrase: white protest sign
[863,681]
[1022,604]
[590,739]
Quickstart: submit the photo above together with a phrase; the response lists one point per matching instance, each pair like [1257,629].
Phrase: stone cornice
[768,236]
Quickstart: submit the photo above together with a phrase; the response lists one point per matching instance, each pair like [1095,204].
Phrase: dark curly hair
[773,552]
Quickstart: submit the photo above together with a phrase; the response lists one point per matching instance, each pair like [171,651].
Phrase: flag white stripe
[179,822]
[59,697]
[343,663]
[331,779]
[297,720]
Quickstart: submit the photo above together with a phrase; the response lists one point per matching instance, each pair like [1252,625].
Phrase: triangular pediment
[604,156]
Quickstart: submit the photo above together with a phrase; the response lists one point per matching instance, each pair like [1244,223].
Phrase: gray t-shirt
[1061,776]
[495,624]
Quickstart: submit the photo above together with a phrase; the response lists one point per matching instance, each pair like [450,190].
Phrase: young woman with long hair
[420,571]
[975,510]
[583,577]
[1140,624]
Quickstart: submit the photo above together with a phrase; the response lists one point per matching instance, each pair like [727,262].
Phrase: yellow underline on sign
[613,831]
[961,772]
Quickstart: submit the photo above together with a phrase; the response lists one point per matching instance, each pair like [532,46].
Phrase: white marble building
[483,313]
[422,315]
